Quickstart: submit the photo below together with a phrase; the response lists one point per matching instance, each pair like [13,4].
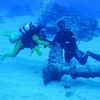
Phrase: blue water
[21,76]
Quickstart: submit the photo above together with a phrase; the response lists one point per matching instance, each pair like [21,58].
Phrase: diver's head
[41,28]
[61,25]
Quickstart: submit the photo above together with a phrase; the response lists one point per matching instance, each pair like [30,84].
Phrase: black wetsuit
[67,41]
[27,39]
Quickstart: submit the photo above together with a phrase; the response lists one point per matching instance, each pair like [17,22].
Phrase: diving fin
[94,56]
[6,33]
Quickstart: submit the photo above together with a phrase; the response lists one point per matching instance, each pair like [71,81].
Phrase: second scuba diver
[66,38]
[28,38]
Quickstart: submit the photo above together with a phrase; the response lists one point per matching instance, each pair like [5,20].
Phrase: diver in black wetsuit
[29,38]
[67,40]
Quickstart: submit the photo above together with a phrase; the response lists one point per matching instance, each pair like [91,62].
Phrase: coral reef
[55,69]
[83,26]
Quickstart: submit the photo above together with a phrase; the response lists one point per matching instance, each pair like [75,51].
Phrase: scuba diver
[67,41]
[27,38]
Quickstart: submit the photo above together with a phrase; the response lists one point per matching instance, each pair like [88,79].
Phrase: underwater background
[21,76]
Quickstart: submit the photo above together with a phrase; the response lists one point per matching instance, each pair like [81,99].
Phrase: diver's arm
[40,42]
[73,41]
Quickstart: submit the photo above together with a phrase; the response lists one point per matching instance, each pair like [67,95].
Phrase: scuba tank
[22,31]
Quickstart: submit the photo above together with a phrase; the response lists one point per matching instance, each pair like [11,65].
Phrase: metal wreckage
[54,70]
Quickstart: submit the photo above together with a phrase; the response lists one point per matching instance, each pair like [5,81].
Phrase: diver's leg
[37,50]
[18,46]
[68,56]
[93,55]
[81,57]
